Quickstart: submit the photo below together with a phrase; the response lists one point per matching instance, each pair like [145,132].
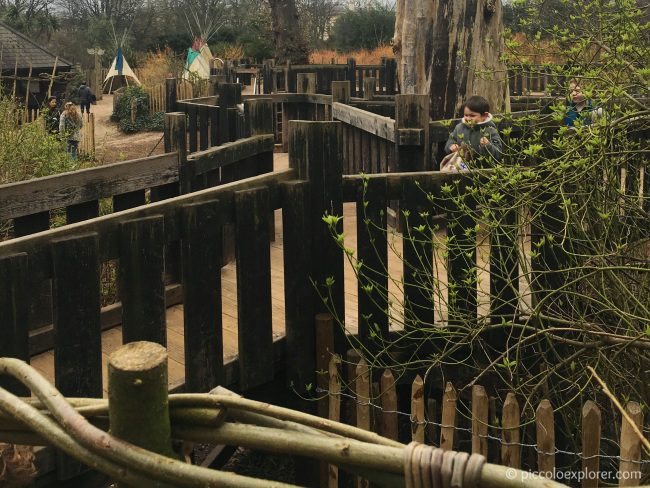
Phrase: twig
[610,395]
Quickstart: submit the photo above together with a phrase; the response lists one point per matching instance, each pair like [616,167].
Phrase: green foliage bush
[27,150]
[143,121]
[364,28]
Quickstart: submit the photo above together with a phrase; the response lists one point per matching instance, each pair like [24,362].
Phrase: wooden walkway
[112,338]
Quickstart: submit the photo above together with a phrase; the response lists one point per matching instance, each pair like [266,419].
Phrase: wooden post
[14,325]
[334,412]
[141,280]
[324,353]
[352,359]
[306,83]
[49,88]
[362,386]
[629,470]
[201,268]
[315,152]
[545,422]
[590,444]
[448,421]
[299,296]
[352,76]
[417,410]
[29,79]
[388,405]
[138,405]
[369,88]
[341,92]
[412,152]
[510,449]
[170,95]
[479,420]
[176,140]
[254,312]
[229,97]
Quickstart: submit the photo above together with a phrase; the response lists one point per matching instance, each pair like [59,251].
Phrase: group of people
[68,122]
[476,135]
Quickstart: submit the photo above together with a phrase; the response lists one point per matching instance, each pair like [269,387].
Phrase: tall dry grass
[363,56]
[156,66]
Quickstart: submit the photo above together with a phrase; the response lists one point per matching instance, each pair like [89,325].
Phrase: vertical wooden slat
[14,312]
[510,449]
[448,421]
[298,292]
[141,280]
[372,253]
[204,126]
[77,343]
[545,425]
[254,314]
[479,420]
[417,410]
[362,387]
[334,412]
[324,352]
[591,425]
[388,405]
[77,330]
[629,469]
[192,127]
[201,267]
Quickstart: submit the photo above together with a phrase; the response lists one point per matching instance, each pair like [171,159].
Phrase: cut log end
[138,356]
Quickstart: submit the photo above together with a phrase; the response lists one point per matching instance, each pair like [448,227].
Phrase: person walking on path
[85,98]
[70,125]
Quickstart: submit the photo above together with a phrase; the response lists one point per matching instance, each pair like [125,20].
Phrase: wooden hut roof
[16,46]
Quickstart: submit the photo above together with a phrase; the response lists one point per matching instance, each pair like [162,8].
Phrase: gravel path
[111,145]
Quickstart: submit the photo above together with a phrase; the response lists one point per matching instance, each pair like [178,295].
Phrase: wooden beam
[65,189]
[383,127]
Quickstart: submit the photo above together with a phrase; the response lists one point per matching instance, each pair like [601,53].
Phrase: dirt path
[112,145]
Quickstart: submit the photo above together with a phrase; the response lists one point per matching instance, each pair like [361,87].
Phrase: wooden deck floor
[112,339]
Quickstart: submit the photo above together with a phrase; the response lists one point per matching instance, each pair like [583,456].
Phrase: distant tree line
[69,27]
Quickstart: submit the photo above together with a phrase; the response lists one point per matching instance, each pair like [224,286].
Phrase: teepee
[119,74]
[199,55]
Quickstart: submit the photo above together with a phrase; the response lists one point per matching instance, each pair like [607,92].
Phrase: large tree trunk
[450,50]
[289,42]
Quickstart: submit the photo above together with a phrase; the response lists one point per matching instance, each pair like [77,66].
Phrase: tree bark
[450,50]
[289,42]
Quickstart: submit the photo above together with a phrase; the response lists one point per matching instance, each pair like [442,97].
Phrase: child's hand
[484,141]
[454,147]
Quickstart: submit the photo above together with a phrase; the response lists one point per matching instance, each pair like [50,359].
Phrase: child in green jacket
[475,135]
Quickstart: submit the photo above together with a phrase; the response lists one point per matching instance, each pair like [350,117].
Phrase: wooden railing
[83,195]
[313,186]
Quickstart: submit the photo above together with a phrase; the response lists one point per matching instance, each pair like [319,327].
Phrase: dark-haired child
[476,134]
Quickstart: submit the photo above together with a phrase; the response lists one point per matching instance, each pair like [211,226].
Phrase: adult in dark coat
[85,97]
[52,114]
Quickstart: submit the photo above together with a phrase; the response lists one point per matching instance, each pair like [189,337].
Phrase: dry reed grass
[364,56]
[156,66]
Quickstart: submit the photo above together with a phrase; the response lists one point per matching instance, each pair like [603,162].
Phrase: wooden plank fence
[377,410]
[314,184]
